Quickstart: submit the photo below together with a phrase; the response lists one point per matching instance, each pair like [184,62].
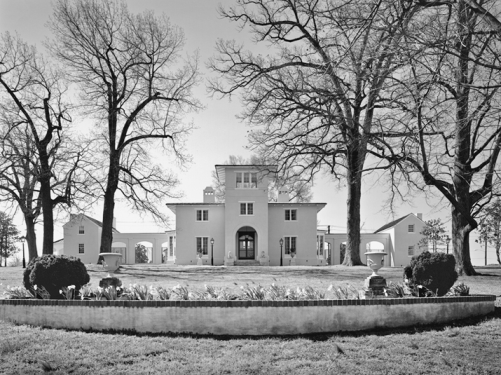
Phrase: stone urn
[229,260]
[375,260]
[111,261]
[375,283]
[264,260]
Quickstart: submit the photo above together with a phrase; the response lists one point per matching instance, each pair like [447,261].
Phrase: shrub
[434,271]
[53,272]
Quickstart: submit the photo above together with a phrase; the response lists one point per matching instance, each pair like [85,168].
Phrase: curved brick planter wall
[244,317]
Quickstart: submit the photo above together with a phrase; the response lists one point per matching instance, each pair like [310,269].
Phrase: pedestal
[264,261]
[292,262]
[200,262]
[375,285]
[229,261]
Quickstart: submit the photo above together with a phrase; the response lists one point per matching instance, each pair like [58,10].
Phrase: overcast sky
[219,133]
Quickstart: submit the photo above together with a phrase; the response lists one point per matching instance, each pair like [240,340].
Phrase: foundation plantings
[50,274]
[434,271]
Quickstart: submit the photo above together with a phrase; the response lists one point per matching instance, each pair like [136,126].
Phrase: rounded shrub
[54,272]
[434,271]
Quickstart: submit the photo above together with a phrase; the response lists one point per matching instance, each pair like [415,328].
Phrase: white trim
[290,214]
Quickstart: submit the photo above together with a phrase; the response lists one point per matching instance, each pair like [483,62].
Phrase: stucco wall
[244,317]
[188,228]
[91,239]
[305,228]
[403,239]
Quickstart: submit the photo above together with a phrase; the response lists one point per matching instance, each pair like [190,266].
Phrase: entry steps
[247,263]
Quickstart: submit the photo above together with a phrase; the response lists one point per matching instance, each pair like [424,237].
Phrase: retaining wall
[244,317]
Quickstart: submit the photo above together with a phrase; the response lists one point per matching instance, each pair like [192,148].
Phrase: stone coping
[245,303]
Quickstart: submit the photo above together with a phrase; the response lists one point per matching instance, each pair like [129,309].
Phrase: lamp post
[24,259]
[447,240]
[281,246]
[212,251]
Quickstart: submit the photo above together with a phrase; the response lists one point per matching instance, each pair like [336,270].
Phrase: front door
[246,245]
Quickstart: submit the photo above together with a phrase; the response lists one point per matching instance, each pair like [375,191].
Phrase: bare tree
[315,97]
[490,228]
[34,117]
[450,113]
[9,234]
[137,89]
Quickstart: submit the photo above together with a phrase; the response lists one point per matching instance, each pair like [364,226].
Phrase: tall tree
[34,115]
[315,97]
[450,115]
[9,234]
[134,84]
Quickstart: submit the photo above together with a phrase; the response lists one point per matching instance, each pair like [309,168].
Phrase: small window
[202,245]
[171,246]
[290,245]
[246,208]
[81,248]
[290,215]
[81,229]
[411,228]
[410,251]
[202,215]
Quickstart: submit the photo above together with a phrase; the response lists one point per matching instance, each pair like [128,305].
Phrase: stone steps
[247,263]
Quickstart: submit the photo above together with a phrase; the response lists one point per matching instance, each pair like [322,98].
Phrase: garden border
[244,317]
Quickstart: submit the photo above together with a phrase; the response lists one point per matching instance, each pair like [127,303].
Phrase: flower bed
[240,317]
[255,311]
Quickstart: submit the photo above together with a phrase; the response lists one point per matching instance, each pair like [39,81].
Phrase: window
[410,251]
[411,228]
[202,245]
[320,245]
[246,208]
[290,215]
[171,246]
[202,215]
[290,245]
[81,229]
[246,180]
[81,248]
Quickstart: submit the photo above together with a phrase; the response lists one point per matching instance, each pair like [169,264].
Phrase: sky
[218,132]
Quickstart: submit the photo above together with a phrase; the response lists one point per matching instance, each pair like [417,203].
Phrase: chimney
[209,195]
[419,216]
[283,196]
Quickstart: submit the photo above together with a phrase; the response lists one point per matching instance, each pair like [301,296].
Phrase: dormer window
[246,180]
[81,229]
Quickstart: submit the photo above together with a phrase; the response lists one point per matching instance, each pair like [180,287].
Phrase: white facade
[246,225]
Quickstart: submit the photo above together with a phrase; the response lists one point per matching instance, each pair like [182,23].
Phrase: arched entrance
[246,243]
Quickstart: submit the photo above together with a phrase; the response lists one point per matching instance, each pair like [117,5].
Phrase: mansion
[247,228]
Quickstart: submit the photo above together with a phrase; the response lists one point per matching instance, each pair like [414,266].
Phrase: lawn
[465,347]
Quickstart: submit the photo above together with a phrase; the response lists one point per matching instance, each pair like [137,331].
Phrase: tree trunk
[497,255]
[31,237]
[45,195]
[354,180]
[461,229]
[109,205]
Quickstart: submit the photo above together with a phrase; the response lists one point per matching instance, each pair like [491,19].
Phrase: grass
[465,347]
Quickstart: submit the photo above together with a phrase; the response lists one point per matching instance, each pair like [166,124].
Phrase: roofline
[397,221]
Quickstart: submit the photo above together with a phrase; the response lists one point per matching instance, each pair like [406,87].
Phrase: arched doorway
[246,243]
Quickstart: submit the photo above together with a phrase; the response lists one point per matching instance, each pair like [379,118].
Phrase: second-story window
[411,228]
[246,180]
[246,208]
[202,215]
[290,215]
[81,229]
